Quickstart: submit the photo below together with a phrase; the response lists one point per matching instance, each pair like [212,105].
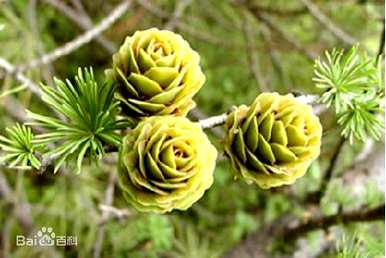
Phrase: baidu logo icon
[46,237]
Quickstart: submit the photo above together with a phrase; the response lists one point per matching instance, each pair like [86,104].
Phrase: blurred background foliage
[246,47]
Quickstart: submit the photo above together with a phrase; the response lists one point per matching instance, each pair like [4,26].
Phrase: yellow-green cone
[165,163]
[273,141]
[156,73]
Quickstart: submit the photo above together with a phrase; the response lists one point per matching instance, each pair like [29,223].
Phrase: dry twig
[83,21]
[21,208]
[178,12]
[315,197]
[10,69]
[109,194]
[80,40]
[201,35]
[255,244]
[113,213]
[326,22]
[253,62]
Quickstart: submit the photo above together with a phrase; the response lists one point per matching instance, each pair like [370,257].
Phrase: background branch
[361,215]
[109,194]
[293,42]
[315,197]
[255,245]
[328,24]
[178,12]
[83,21]
[20,208]
[10,69]
[253,62]
[80,40]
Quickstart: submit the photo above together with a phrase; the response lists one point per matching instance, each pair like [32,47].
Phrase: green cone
[156,73]
[273,141]
[165,163]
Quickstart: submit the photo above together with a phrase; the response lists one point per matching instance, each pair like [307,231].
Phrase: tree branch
[213,121]
[278,12]
[381,49]
[18,75]
[120,214]
[80,40]
[21,208]
[253,62]
[255,244]
[377,213]
[328,24]
[83,21]
[201,35]
[293,42]
[109,194]
[315,197]
[178,11]
[33,23]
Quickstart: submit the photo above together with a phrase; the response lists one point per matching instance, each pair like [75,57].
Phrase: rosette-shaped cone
[165,163]
[156,73]
[273,141]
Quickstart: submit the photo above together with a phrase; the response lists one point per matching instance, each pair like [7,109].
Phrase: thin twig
[69,12]
[200,116]
[381,49]
[109,194]
[366,151]
[80,40]
[213,121]
[5,239]
[255,244]
[278,12]
[333,164]
[315,197]
[221,19]
[15,109]
[265,19]
[10,69]
[18,75]
[178,12]
[328,24]
[83,21]
[199,34]
[275,58]
[48,70]
[377,213]
[290,40]
[79,6]
[114,212]
[253,62]
[21,208]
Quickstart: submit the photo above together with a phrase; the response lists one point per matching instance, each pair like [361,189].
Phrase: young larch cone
[156,73]
[273,141]
[165,163]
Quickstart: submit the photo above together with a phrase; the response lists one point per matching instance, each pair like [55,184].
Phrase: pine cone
[165,163]
[157,73]
[273,141]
